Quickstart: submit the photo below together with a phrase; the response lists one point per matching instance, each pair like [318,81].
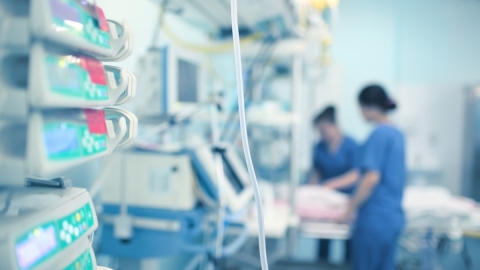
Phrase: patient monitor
[172,81]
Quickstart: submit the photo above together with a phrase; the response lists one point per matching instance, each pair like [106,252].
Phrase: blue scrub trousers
[380,220]
[374,243]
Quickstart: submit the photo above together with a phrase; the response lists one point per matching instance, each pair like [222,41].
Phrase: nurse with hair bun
[377,201]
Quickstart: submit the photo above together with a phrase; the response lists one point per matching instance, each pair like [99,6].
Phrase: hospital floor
[307,266]
[302,266]
[452,262]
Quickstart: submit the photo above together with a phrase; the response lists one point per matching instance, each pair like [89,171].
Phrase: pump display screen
[64,11]
[38,245]
[82,19]
[187,82]
[66,79]
[76,77]
[232,176]
[63,139]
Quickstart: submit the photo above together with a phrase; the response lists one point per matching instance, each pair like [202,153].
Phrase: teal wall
[365,45]
[439,42]
[400,42]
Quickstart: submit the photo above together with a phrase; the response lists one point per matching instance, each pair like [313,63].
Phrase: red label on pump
[102,20]
[96,121]
[95,70]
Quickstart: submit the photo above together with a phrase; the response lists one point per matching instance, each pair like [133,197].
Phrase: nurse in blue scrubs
[378,198]
[334,162]
[335,156]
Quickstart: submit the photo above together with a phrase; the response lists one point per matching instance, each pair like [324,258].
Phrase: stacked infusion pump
[51,78]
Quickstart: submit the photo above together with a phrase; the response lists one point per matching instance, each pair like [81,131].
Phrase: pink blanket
[318,203]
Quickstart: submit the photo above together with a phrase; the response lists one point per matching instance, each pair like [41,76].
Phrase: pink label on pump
[95,70]
[102,20]
[96,121]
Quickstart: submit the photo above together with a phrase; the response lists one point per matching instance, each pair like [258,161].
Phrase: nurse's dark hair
[327,115]
[375,96]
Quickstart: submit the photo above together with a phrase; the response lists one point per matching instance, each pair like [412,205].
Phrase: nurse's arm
[368,183]
[315,177]
[343,181]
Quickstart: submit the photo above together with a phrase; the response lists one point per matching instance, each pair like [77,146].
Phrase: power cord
[8,202]
[243,131]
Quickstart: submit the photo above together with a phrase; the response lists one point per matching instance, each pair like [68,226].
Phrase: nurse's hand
[313,181]
[330,185]
[348,216]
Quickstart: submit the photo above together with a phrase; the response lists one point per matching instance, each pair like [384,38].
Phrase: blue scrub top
[384,152]
[331,165]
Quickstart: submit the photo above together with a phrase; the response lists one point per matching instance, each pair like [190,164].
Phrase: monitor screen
[40,243]
[231,175]
[187,82]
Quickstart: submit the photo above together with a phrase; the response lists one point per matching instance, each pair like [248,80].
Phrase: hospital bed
[436,222]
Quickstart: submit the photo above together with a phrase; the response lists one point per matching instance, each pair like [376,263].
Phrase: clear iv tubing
[243,132]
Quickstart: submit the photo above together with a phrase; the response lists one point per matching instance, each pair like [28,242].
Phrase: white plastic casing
[60,203]
[152,180]
[235,201]
[37,160]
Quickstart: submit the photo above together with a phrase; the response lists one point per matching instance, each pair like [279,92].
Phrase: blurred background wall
[424,52]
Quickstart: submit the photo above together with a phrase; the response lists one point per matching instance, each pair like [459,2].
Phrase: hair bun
[330,109]
[375,96]
[390,104]
[328,115]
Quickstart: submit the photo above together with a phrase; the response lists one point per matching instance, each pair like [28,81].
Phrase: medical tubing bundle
[262,55]
[219,175]
[176,119]
[243,132]
[229,250]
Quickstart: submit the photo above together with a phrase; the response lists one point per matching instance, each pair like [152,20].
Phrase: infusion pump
[45,229]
